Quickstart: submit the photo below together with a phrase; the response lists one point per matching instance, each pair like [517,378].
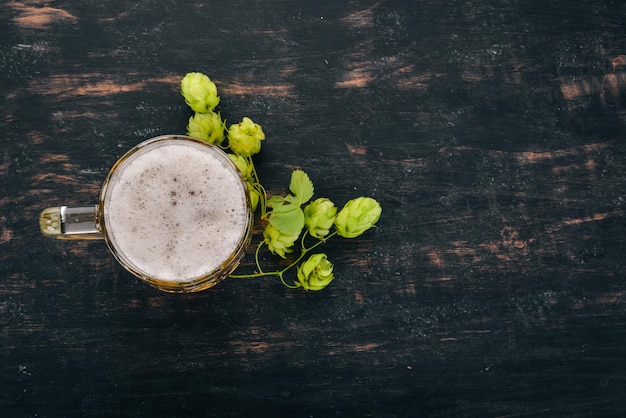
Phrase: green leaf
[301,186]
[292,199]
[288,219]
[275,201]
[284,208]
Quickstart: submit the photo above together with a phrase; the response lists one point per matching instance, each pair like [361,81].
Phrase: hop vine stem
[280,273]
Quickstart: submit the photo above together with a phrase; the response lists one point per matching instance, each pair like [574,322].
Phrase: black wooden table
[491,132]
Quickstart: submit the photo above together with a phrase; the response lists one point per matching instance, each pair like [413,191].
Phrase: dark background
[491,132]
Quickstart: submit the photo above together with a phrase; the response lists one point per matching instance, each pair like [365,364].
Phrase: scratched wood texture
[492,133]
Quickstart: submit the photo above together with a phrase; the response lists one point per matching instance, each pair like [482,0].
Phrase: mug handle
[64,222]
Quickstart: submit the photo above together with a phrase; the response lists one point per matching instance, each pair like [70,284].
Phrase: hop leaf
[319,217]
[200,92]
[357,216]
[315,273]
[245,138]
[286,217]
[301,186]
[208,127]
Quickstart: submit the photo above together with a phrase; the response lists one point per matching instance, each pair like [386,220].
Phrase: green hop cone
[208,127]
[255,196]
[357,216]
[279,242]
[245,138]
[315,273]
[319,217]
[200,92]
[243,165]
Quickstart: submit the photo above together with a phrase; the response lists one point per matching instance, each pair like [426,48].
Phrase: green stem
[320,242]
[255,275]
[256,256]
[282,279]
[280,273]
[261,273]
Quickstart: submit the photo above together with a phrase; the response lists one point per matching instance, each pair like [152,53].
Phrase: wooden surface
[492,133]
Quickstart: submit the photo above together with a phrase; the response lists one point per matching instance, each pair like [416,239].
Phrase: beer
[175,210]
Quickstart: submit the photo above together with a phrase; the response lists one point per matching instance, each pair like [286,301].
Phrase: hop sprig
[289,219]
[287,223]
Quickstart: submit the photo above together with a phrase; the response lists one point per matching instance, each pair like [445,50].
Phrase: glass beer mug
[174,211]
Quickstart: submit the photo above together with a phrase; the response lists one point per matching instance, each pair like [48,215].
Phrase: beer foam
[176,210]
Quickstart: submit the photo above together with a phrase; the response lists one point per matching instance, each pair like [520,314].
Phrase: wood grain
[491,133]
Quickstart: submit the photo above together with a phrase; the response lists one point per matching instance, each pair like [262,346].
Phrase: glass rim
[198,283]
